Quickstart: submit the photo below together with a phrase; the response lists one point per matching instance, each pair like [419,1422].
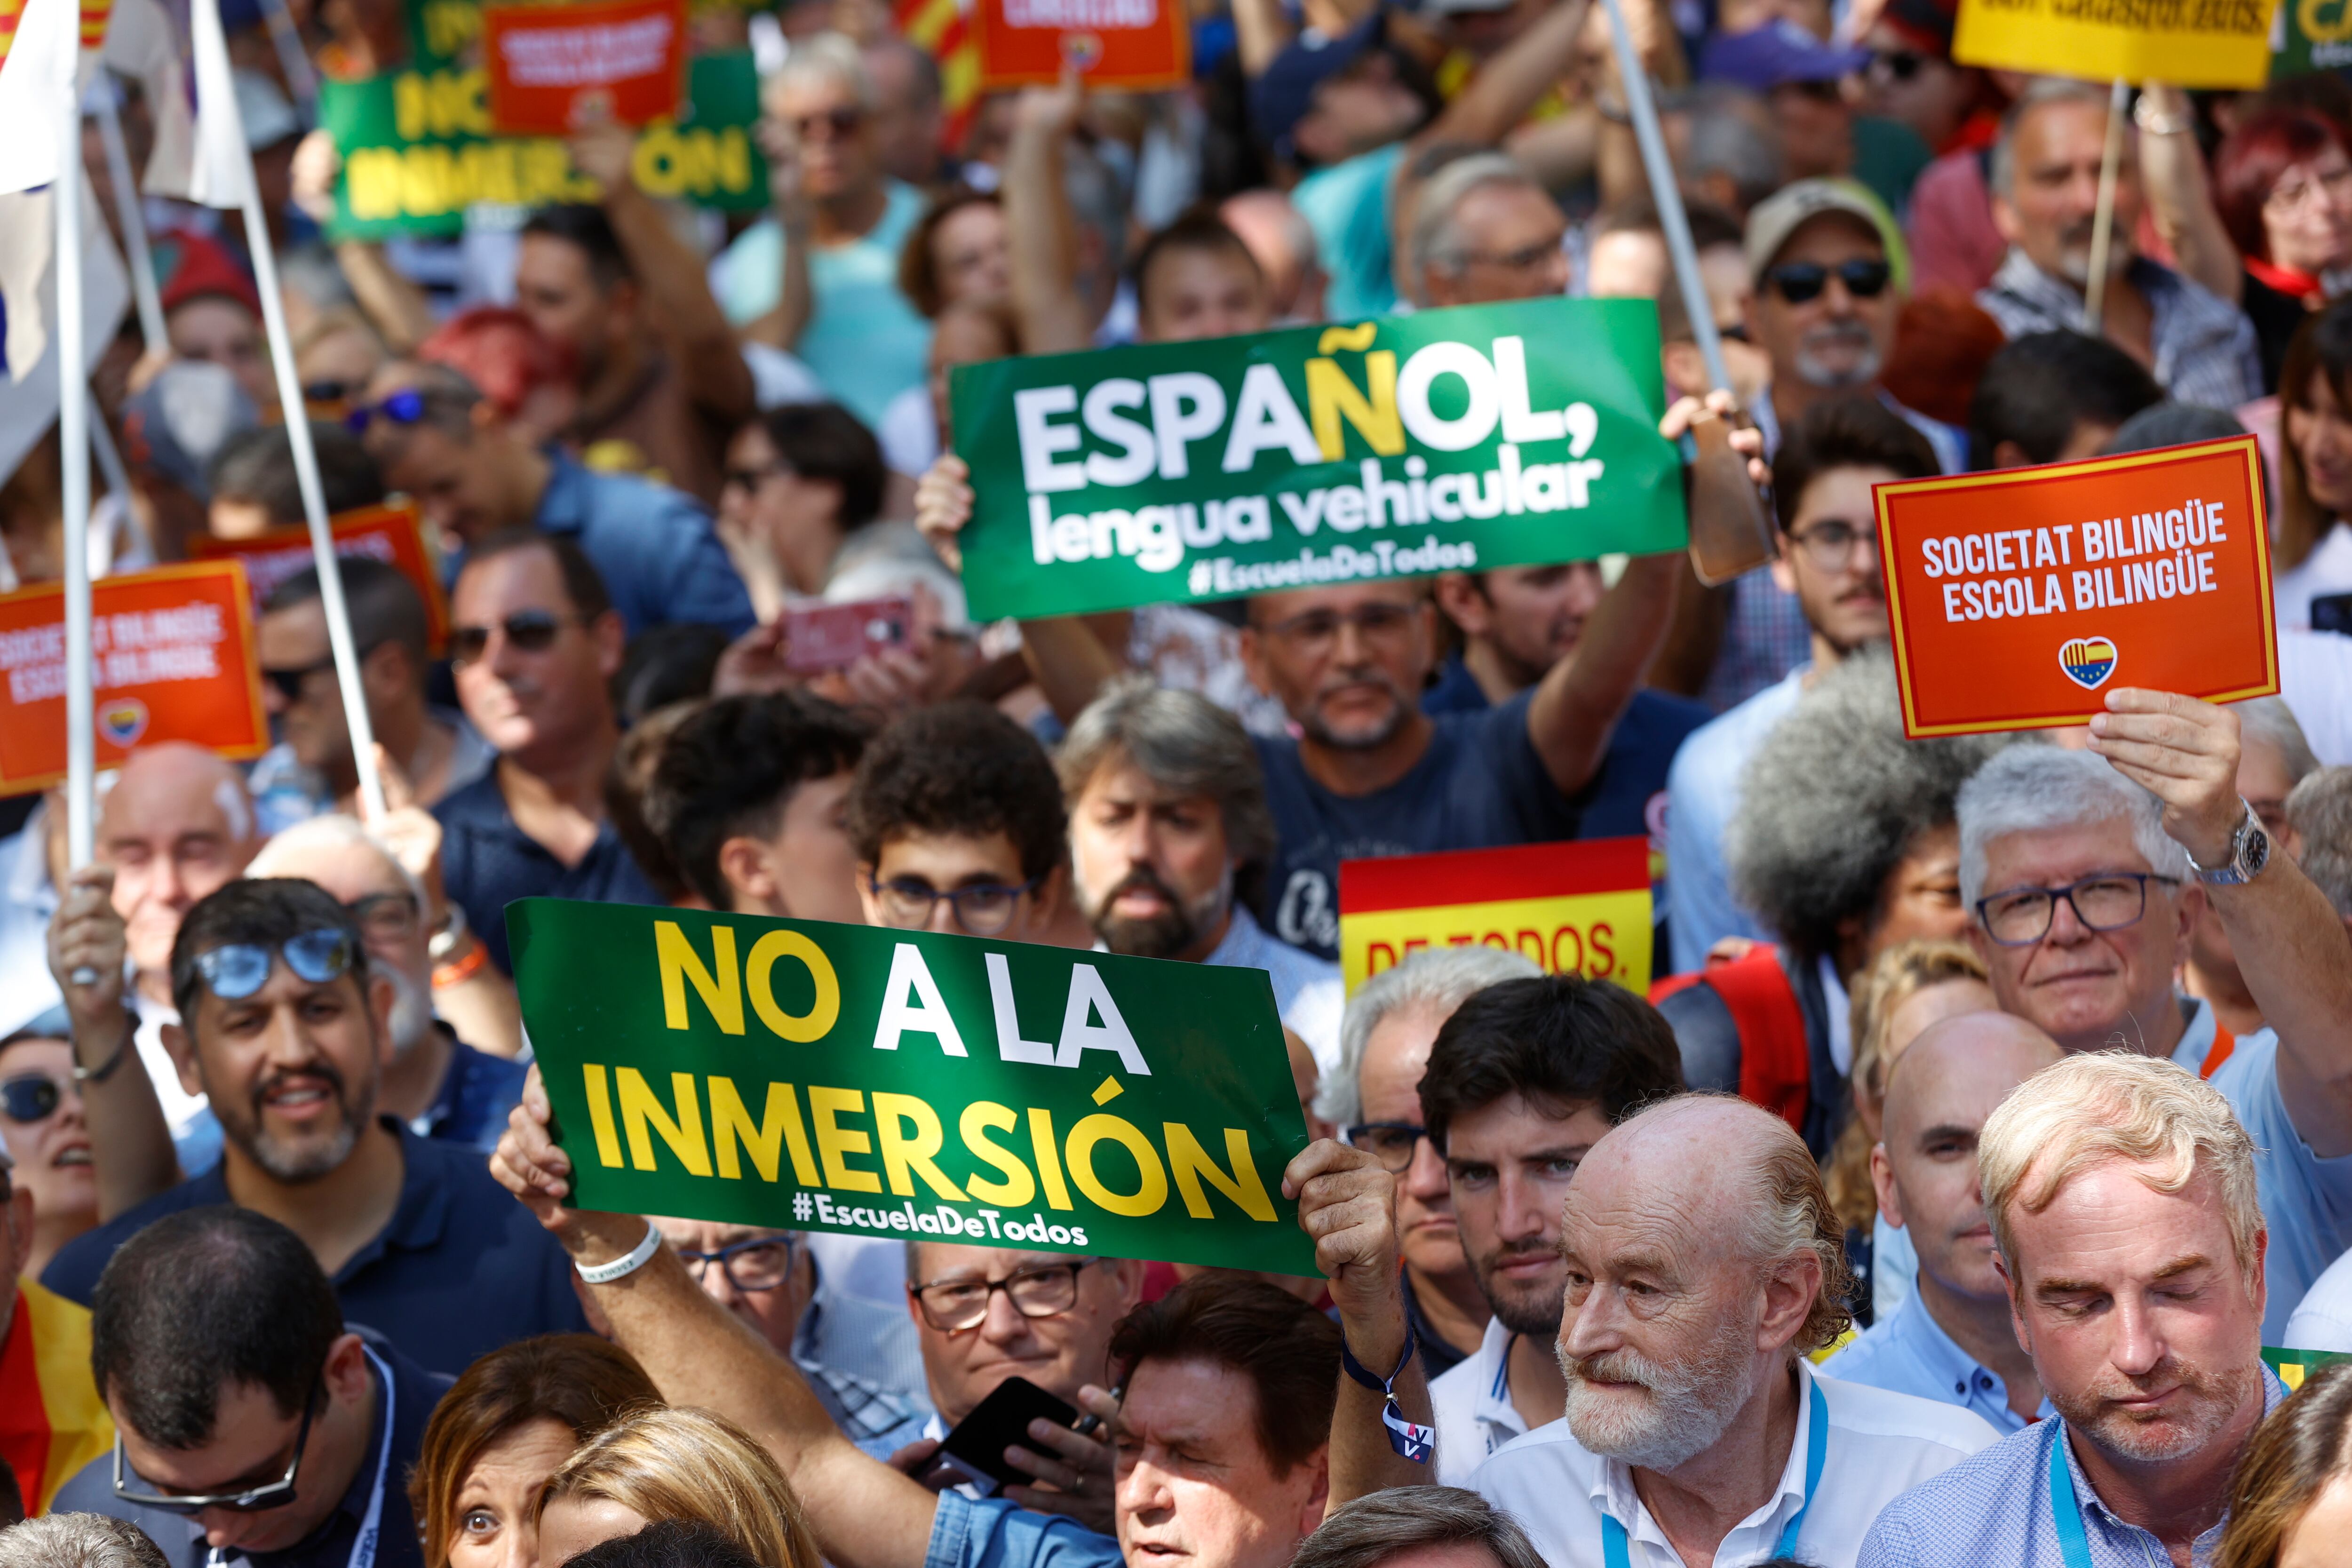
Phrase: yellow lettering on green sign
[730,1124]
[1018,1186]
[642,1108]
[1149,1197]
[901,1153]
[721,992]
[1331,397]
[833,1141]
[1191,1162]
[817,1022]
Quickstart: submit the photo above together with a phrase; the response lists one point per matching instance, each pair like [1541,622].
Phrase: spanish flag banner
[52,1422]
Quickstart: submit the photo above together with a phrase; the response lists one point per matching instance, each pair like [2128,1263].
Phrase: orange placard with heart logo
[174,660]
[556,69]
[1139,46]
[2018,596]
[392,534]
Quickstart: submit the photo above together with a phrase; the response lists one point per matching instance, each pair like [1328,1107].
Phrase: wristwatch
[450,937]
[2250,851]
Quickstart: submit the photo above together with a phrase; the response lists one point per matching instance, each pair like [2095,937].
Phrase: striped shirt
[2203,346]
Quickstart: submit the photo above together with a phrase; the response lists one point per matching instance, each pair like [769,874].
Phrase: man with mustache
[2045,183]
[1703,1262]
[1950,1338]
[1524,1078]
[1169,826]
[285,1028]
[2122,1195]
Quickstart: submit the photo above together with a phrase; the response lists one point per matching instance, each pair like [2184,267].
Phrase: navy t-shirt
[488,862]
[1479,785]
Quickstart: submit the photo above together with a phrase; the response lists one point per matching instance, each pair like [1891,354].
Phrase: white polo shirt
[1472,1408]
[1880,1444]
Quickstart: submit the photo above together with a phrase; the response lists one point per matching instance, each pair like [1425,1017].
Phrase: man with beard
[1822,477]
[436,1083]
[285,1029]
[2122,1195]
[1950,1338]
[1524,1078]
[2045,188]
[1168,817]
[1703,1262]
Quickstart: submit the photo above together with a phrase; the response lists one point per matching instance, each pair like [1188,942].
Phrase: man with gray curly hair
[1704,1261]
[1170,837]
[2085,875]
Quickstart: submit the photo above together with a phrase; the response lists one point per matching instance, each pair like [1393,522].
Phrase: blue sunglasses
[239,969]
[401,408]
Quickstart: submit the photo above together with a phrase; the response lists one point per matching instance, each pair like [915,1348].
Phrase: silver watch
[2250,851]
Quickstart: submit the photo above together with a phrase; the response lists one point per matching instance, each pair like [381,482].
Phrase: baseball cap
[1775,55]
[1779,217]
[199,267]
[1285,95]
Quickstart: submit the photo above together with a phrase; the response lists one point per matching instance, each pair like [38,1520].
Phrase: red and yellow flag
[943,28]
[52,1422]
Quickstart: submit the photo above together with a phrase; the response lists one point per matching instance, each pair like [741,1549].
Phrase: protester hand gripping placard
[2015,597]
[1577,908]
[875,1082]
[172,659]
[1452,440]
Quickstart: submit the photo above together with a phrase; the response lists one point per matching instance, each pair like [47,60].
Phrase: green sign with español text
[1482,436]
[885,1083]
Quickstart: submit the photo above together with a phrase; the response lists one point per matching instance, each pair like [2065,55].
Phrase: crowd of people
[1990,1113]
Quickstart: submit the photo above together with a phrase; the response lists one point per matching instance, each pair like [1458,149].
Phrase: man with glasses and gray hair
[251,1419]
[2086,880]
[1374,1099]
[285,1027]
[1484,231]
[1421,1526]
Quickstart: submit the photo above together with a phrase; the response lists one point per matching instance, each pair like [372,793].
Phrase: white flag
[36,84]
[223,166]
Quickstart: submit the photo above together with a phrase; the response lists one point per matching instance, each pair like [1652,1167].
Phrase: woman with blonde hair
[2291,1500]
[1907,987]
[505,1425]
[680,1464]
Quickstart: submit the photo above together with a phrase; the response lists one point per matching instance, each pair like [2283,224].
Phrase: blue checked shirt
[2204,345]
[1996,1507]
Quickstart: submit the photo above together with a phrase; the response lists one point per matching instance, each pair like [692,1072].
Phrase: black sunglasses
[530,631]
[290,682]
[401,408]
[239,969]
[840,121]
[251,1499]
[29,1098]
[1799,282]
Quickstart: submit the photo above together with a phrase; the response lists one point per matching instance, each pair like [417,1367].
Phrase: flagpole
[73,438]
[2095,286]
[133,220]
[298,421]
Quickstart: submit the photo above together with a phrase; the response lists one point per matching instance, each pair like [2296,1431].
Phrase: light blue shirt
[1702,794]
[1995,1507]
[864,340]
[1347,206]
[1908,1351]
[994,1533]
[2306,1201]
[1893,1265]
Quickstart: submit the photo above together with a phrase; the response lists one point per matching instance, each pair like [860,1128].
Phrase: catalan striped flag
[52,1422]
[94,15]
[943,28]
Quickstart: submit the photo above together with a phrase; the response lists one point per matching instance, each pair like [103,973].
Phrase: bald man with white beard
[1704,1262]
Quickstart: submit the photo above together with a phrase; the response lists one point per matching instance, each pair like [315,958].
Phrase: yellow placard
[2187,43]
[1601,936]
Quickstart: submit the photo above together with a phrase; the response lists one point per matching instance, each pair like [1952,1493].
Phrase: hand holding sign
[2185,753]
[87,945]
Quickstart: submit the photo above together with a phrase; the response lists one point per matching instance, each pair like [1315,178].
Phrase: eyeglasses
[405,407]
[1818,92]
[1392,1143]
[1829,544]
[385,917]
[530,631]
[1799,282]
[1518,260]
[1898,65]
[252,1499]
[239,969]
[758,1263]
[840,122]
[290,682]
[2332,186]
[327,391]
[983,909]
[749,479]
[951,1306]
[30,1097]
[2111,900]
[1313,631]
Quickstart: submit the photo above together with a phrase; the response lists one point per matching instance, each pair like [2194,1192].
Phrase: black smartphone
[2332,612]
[975,1449]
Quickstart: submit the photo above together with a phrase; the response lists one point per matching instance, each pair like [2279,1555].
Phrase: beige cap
[1789,208]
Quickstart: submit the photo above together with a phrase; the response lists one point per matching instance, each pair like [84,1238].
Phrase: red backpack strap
[1775,1062]
[2224,1043]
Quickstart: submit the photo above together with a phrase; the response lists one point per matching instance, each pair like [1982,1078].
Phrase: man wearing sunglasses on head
[285,1028]
[474,472]
[252,1421]
[2086,882]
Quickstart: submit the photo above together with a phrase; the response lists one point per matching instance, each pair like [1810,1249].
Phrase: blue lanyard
[2074,1546]
[1617,1553]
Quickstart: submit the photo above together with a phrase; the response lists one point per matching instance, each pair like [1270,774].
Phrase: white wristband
[622,1268]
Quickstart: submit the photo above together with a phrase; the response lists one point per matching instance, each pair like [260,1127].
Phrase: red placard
[553,69]
[1582,907]
[2017,598]
[173,651]
[393,534]
[1141,45]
